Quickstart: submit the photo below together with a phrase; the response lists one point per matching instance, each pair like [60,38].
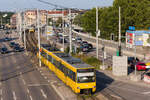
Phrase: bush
[67,50]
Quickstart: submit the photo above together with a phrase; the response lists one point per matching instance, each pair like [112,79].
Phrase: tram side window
[71,74]
[65,70]
[49,58]
[61,67]
[44,54]
[56,63]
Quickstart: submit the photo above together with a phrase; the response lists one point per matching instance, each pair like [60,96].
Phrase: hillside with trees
[133,13]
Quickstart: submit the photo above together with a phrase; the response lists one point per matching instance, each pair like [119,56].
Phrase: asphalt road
[20,80]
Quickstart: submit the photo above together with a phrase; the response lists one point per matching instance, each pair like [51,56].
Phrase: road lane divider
[45,77]
[1,91]
[14,96]
[28,91]
[54,87]
[31,97]
[44,95]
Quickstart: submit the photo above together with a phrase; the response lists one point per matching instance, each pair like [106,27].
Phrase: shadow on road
[102,81]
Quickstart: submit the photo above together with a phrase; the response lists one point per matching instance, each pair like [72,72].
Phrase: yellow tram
[73,72]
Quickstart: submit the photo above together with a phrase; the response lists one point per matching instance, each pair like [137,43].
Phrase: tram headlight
[78,87]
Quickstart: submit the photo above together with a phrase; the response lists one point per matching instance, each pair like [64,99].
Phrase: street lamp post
[38,26]
[135,58]
[63,29]
[97,32]
[70,36]
[24,31]
[119,38]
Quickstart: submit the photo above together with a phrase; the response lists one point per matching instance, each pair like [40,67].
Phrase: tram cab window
[85,75]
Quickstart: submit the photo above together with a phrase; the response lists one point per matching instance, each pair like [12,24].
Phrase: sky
[15,5]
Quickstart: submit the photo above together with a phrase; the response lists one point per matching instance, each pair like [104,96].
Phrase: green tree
[133,13]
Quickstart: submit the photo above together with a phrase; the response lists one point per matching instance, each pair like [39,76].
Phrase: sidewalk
[125,79]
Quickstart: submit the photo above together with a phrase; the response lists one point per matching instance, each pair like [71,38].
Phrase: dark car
[83,42]
[12,44]
[16,45]
[18,49]
[88,45]
[78,39]
[131,60]
[7,39]
[7,32]
[84,48]
[4,50]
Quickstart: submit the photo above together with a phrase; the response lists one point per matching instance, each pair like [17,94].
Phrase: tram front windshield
[85,75]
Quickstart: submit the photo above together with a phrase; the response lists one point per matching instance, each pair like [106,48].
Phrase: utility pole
[135,58]
[70,51]
[63,29]
[20,24]
[46,29]
[119,28]
[24,30]
[38,26]
[97,32]
[119,47]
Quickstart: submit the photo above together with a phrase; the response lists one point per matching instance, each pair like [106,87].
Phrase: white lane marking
[1,98]
[23,81]
[146,92]
[31,97]
[0,83]
[44,95]
[45,77]
[116,96]
[1,91]
[14,96]
[28,91]
[36,84]
[20,73]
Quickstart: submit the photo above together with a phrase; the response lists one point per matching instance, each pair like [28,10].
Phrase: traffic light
[103,48]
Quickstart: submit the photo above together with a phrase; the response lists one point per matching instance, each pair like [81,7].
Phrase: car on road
[84,48]
[141,66]
[132,61]
[83,42]
[16,45]
[18,49]
[78,39]
[12,44]
[89,45]
[7,39]
[4,50]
